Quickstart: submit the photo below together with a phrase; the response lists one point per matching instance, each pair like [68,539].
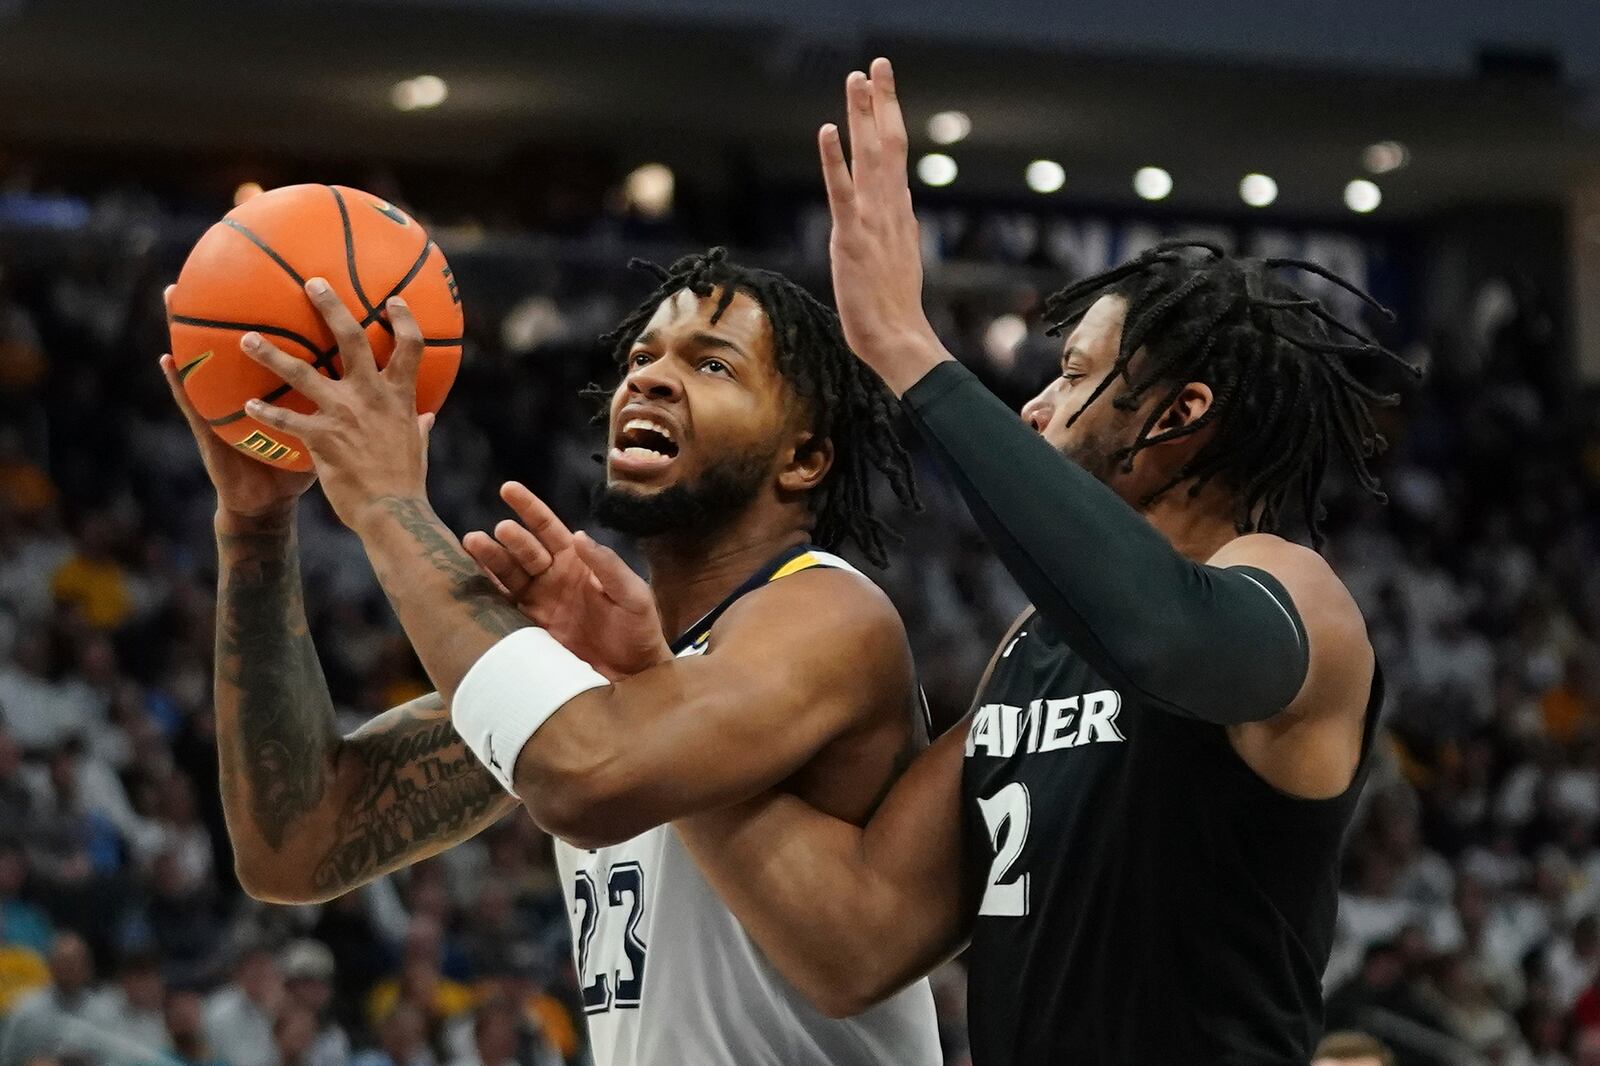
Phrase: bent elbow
[845,980]
[268,882]
[580,808]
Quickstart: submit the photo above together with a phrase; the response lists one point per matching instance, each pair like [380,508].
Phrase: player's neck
[1197,527]
[690,575]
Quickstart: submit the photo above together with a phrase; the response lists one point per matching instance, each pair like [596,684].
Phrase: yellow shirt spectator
[22,970]
[96,587]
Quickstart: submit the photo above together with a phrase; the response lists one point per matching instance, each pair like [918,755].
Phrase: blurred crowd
[1469,929]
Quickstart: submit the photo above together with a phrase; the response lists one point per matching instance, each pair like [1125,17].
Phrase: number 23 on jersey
[610,952]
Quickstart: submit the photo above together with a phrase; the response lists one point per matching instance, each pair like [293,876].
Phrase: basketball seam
[271,331]
[324,357]
[272,397]
[350,253]
[375,315]
[267,248]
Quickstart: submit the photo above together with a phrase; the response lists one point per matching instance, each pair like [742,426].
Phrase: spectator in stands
[71,981]
[1545,1033]
[91,580]
[402,1040]
[179,916]
[495,1037]
[308,974]
[185,1015]
[239,1016]
[420,980]
[38,713]
[294,1034]
[21,923]
[135,1006]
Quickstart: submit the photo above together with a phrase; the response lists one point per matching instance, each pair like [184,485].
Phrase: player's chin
[640,466]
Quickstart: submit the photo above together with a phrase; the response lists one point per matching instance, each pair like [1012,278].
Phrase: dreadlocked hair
[1277,361]
[847,403]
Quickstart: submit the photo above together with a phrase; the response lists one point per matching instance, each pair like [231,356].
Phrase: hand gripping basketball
[245,488]
[366,440]
[248,275]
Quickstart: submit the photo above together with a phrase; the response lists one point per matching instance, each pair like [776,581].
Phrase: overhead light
[937,169]
[419,93]
[1385,157]
[1004,335]
[1046,176]
[1362,196]
[650,189]
[248,191]
[1258,190]
[949,127]
[1152,183]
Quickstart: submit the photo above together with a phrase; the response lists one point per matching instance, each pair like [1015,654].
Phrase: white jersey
[669,977]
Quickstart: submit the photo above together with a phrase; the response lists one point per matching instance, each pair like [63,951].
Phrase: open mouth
[644,441]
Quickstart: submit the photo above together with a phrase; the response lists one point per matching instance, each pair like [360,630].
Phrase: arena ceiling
[261,79]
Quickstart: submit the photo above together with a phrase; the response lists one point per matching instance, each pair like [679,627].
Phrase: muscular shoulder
[820,626]
[835,604]
[1328,612]
[1311,749]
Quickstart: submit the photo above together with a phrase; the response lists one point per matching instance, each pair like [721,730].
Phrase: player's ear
[1193,401]
[808,463]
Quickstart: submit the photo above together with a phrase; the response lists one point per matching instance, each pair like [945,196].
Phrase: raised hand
[245,487]
[577,589]
[875,247]
[366,440]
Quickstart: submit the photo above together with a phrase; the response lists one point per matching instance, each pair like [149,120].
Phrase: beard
[700,506]
[1097,453]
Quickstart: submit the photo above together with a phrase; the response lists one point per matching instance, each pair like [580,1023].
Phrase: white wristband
[511,691]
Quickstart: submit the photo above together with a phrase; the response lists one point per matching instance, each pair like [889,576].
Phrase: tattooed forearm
[421,790]
[468,587]
[313,814]
[277,716]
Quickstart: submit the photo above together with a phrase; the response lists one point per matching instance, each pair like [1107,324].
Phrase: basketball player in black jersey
[1137,829]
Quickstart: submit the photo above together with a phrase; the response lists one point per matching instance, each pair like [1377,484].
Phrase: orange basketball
[248,273]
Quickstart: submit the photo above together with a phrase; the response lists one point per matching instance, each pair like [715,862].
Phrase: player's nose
[1037,412]
[655,380]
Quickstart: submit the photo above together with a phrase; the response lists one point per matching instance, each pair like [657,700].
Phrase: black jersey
[1147,899]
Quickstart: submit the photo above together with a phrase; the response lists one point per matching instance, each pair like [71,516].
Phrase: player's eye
[638,359]
[715,366]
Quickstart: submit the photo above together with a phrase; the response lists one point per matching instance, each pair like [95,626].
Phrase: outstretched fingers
[299,374]
[893,143]
[614,577]
[537,516]
[496,563]
[836,174]
[524,547]
[865,149]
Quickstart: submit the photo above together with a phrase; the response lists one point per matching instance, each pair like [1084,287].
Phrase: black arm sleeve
[1223,645]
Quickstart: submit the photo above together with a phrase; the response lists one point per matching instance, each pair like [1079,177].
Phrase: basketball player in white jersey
[743,437]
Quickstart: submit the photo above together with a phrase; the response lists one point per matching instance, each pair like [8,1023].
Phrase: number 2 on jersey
[604,985]
[1007,812]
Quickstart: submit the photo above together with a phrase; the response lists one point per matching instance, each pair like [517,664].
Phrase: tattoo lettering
[469,587]
[267,665]
[421,788]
